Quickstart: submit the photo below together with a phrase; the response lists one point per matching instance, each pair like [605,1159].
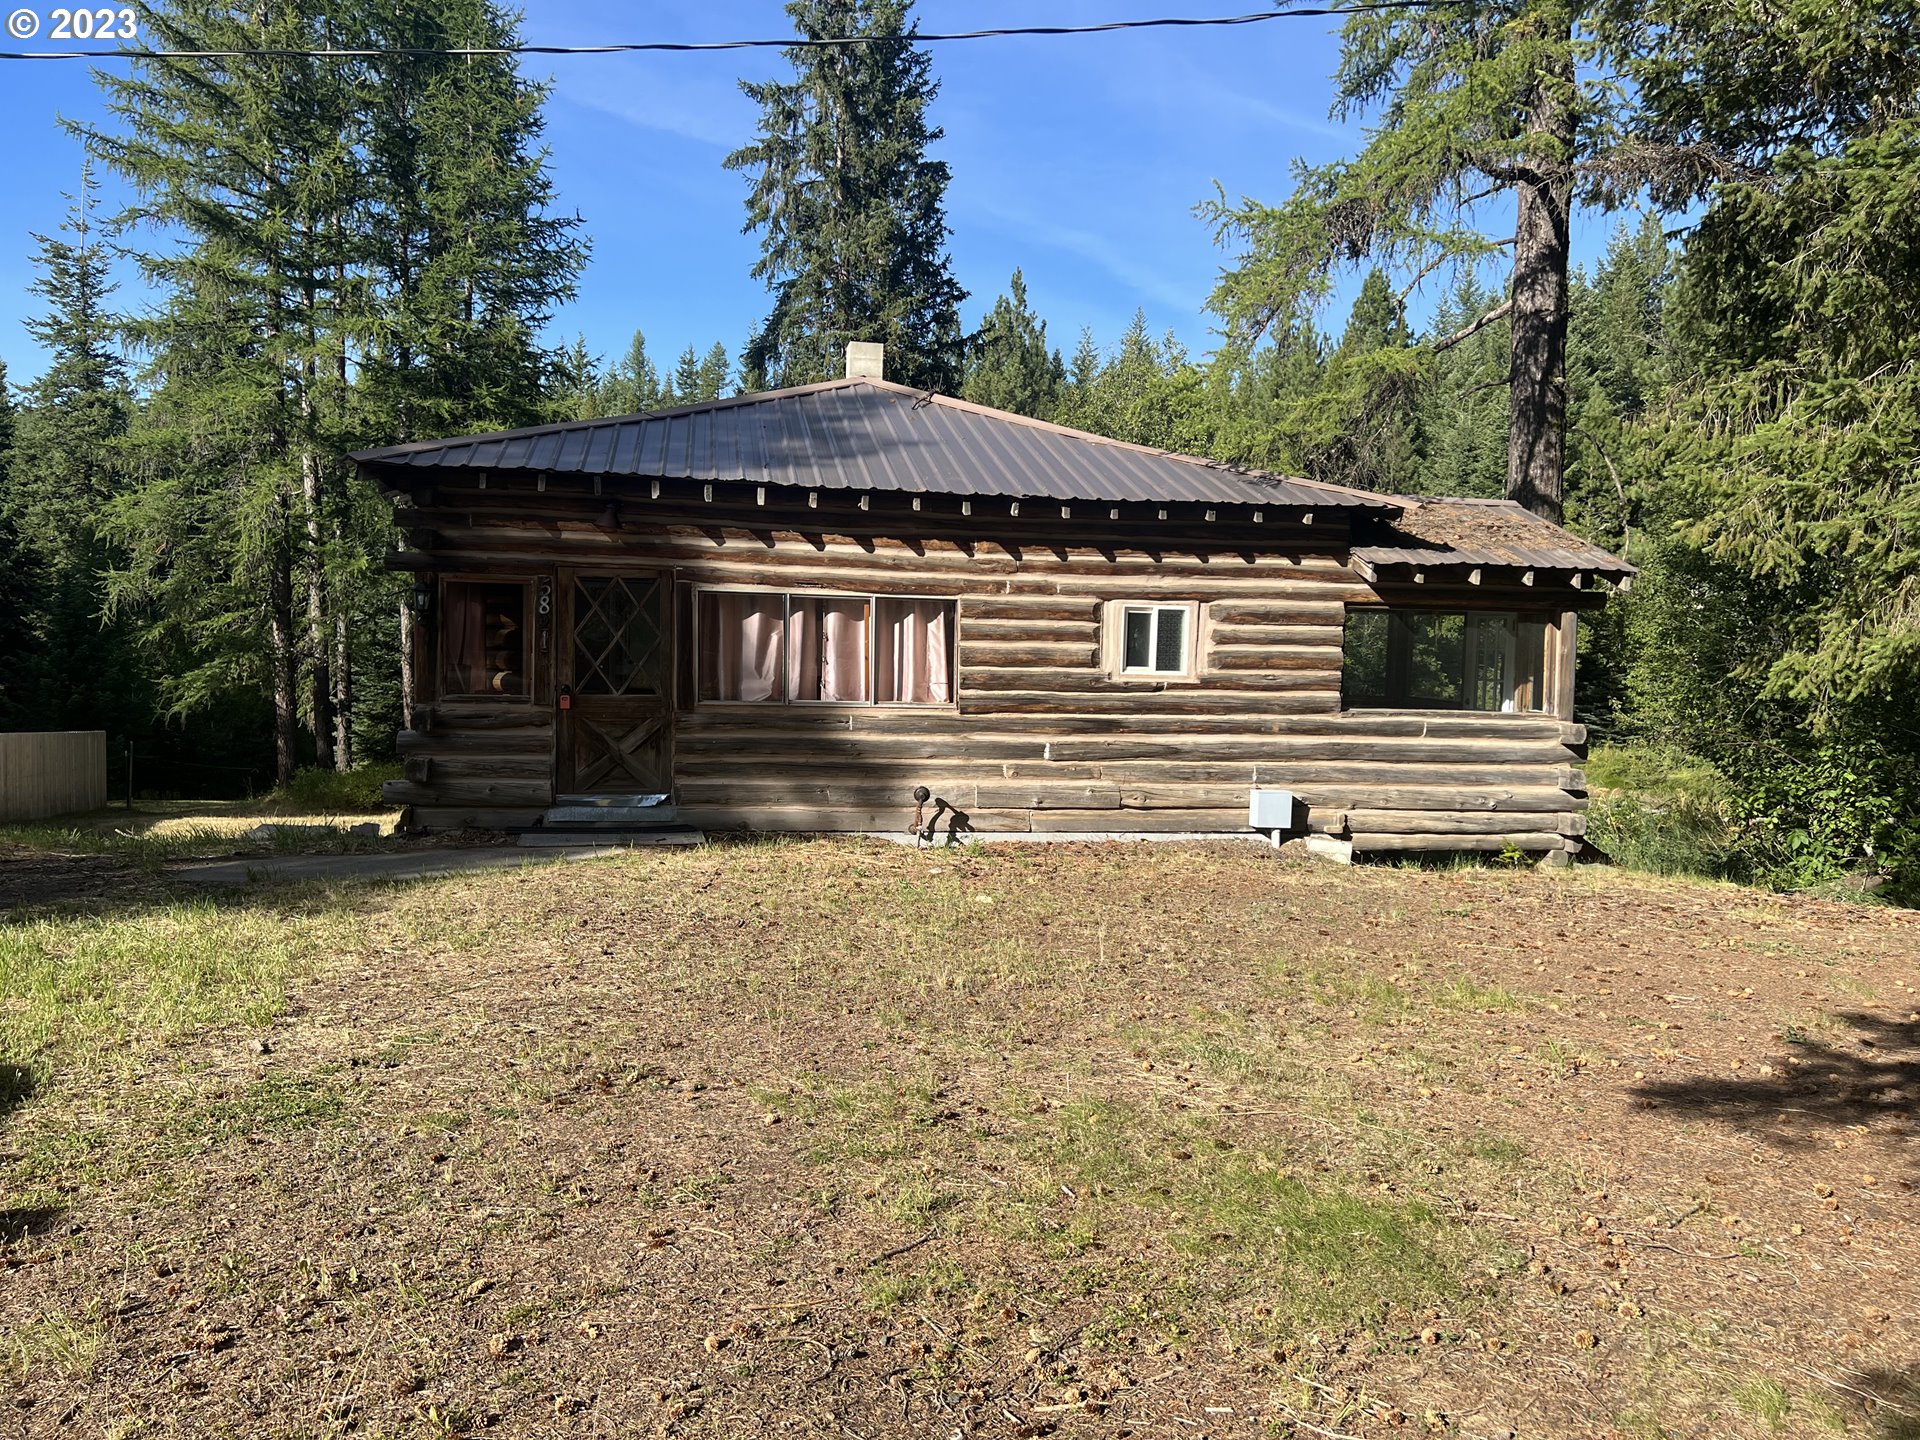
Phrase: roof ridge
[724,402]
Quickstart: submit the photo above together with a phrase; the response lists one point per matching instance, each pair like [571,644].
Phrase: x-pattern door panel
[616,732]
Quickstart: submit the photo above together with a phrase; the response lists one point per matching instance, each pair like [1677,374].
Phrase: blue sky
[1078,159]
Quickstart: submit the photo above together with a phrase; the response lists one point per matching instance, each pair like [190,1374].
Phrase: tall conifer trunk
[1537,413]
[284,664]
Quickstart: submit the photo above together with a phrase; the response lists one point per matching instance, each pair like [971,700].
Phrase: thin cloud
[1141,280]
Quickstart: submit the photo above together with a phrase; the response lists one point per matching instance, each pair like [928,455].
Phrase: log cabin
[800,610]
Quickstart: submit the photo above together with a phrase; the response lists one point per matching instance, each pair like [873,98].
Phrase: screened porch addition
[1493,661]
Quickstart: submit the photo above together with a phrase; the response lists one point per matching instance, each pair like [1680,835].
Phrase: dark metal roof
[1438,534]
[869,435]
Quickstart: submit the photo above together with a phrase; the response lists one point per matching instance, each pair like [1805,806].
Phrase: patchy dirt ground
[843,1139]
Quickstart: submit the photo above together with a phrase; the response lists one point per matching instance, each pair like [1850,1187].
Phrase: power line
[828,42]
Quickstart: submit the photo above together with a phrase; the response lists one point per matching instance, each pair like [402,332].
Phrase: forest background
[355,252]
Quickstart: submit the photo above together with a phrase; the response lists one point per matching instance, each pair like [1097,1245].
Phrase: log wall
[1041,738]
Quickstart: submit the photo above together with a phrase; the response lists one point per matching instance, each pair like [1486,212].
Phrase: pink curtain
[740,645]
[914,664]
[827,649]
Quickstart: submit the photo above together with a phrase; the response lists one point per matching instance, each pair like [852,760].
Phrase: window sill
[1454,712]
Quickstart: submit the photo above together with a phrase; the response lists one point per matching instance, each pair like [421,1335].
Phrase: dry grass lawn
[843,1139]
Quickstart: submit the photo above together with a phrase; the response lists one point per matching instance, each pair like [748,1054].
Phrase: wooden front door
[615,667]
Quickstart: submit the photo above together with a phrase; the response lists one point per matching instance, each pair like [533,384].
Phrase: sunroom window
[799,648]
[1446,660]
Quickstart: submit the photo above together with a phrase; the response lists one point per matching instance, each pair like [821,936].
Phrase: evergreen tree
[1358,429]
[253,165]
[716,371]
[850,210]
[1009,366]
[575,386]
[1461,416]
[633,385]
[63,473]
[470,261]
[18,585]
[1478,99]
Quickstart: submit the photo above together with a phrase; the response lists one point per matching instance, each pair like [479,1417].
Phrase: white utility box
[1270,810]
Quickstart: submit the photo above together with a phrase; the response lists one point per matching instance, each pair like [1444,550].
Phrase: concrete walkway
[392,866]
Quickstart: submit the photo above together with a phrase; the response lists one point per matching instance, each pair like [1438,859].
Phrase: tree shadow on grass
[1871,1074]
[1895,1412]
[16,1088]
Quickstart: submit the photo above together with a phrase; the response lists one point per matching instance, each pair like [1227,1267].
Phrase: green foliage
[850,210]
[336,792]
[1664,812]
[1009,366]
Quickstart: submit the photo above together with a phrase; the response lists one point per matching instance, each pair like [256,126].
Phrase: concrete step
[609,839]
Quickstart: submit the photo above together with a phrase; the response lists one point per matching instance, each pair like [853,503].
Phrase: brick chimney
[866,360]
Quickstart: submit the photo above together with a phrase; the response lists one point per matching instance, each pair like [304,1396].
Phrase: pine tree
[63,472]
[716,370]
[1359,428]
[1009,366]
[850,210]
[633,384]
[470,262]
[254,165]
[575,386]
[1479,99]
[19,592]
[1079,397]
[1461,420]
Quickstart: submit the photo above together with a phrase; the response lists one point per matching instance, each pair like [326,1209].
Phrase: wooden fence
[52,773]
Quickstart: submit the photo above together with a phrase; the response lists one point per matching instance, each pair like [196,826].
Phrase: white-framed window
[817,648]
[1149,640]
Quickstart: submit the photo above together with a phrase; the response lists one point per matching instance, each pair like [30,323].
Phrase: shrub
[334,792]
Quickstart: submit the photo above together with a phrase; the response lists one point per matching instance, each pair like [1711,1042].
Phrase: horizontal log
[893,774]
[855,790]
[892,793]
[1286,775]
[1441,822]
[975,655]
[1176,705]
[1028,609]
[1264,635]
[1200,821]
[529,741]
[1323,658]
[1225,715]
[1218,586]
[437,769]
[1037,795]
[1278,748]
[981,679]
[972,627]
[1315,612]
[444,715]
[837,749]
[834,819]
[467,817]
[1531,840]
[537,793]
[1454,798]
